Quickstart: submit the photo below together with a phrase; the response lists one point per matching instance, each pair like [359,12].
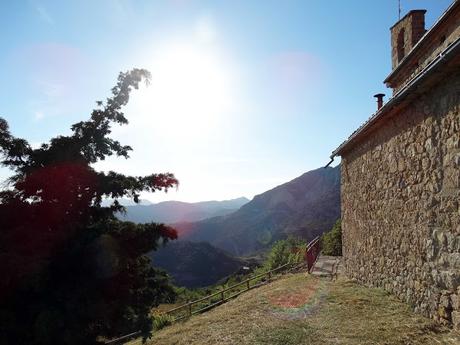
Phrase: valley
[210,249]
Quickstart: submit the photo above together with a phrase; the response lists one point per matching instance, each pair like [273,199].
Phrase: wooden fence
[123,339]
[203,304]
[210,301]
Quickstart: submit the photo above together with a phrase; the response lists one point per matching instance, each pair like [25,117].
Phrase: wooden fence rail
[123,339]
[222,298]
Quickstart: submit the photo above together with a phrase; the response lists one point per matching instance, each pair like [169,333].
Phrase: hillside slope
[178,211]
[302,309]
[195,264]
[306,207]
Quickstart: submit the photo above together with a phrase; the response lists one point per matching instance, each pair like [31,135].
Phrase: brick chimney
[405,34]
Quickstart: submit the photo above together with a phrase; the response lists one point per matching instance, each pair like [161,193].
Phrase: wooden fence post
[269,275]
[247,283]
[222,294]
[190,309]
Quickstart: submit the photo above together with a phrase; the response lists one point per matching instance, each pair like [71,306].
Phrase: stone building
[400,174]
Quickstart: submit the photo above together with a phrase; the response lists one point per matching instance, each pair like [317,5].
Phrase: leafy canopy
[71,272]
[331,241]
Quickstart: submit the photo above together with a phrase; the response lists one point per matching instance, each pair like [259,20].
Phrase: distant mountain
[177,211]
[125,202]
[306,206]
[195,264]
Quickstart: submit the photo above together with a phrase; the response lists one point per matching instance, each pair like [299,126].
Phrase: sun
[190,89]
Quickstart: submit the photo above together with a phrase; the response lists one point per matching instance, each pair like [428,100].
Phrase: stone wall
[401,205]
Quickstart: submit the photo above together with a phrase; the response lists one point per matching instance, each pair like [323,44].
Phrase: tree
[290,250]
[72,273]
[331,241]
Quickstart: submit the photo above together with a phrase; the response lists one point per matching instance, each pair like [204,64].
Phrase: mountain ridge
[180,211]
[306,207]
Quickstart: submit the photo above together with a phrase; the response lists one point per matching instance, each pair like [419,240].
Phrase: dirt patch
[293,299]
[297,302]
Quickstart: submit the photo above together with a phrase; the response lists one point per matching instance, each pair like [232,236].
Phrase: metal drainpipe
[332,159]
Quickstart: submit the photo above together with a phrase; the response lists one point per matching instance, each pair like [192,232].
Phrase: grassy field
[301,309]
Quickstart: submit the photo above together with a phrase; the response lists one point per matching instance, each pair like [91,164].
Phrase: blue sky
[245,95]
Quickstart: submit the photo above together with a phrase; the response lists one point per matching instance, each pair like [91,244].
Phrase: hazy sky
[245,95]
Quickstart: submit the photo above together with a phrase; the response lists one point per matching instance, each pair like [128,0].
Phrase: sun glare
[189,91]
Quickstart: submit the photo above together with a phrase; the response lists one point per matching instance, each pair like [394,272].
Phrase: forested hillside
[195,264]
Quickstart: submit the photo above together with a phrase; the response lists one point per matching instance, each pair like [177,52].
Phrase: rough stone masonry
[401,175]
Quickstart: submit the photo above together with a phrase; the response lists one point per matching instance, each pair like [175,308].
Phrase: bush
[161,321]
[286,251]
[184,295]
[331,241]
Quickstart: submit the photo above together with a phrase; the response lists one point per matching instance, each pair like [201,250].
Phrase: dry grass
[300,309]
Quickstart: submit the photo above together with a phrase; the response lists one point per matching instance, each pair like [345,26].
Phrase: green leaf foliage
[71,272]
[161,321]
[331,241]
[290,250]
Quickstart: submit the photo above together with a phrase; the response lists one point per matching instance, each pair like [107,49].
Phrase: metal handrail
[312,252]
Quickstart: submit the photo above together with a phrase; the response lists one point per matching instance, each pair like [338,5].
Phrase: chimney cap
[408,14]
[379,95]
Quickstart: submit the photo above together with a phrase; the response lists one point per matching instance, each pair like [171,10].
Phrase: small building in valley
[400,174]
